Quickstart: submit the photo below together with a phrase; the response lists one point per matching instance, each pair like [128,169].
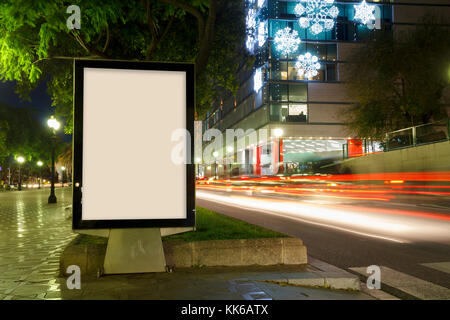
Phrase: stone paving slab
[240,283]
[33,235]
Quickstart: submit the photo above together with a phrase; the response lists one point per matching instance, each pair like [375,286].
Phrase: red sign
[355,147]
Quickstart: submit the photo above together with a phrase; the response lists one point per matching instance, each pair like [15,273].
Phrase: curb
[322,280]
[323,275]
[210,253]
[236,252]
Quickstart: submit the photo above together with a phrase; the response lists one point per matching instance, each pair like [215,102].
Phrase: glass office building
[295,87]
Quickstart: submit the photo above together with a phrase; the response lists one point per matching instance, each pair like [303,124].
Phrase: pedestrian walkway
[410,285]
[33,235]
[213,283]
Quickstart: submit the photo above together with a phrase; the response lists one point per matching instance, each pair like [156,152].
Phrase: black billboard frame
[77,179]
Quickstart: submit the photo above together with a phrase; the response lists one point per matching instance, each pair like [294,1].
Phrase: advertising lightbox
[126,115]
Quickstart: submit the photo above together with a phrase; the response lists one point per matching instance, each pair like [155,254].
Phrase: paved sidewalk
[213,283]
[33,235]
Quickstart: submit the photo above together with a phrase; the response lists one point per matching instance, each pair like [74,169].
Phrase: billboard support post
[136,250]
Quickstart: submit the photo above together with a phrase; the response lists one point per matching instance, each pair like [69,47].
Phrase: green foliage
[211,225]
[4,129]
[219,78]
[84,239]
[399,82]
[36,45]
[21,134]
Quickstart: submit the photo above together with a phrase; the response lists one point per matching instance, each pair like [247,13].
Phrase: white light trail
[305,213]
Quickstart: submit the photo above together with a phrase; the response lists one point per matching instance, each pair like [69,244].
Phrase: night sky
[40,101]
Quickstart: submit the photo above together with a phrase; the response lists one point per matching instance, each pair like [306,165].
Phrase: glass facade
[289,112]
[284,87]
[282,13]
[292,85]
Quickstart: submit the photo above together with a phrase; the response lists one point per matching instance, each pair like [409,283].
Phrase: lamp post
[40,163]
[54,125]
[20,160]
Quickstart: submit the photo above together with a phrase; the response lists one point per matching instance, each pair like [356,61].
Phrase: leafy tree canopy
[36,45]
[21,134]
[399,81]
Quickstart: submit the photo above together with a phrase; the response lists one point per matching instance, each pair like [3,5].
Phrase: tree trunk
[206,42]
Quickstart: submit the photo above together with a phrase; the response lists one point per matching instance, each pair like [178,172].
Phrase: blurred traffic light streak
[384,187]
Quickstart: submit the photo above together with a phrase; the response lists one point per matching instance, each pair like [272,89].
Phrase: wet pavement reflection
[33,234]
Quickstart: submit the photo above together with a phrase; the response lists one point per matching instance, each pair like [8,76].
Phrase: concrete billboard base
[94,259]
[134,251]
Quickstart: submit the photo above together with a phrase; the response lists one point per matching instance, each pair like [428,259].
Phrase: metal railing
[405,138]
[418,135]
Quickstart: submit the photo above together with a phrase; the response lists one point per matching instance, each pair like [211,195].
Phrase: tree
[22,134]
[36,45]
[65,158]
[4,128]
[399,82]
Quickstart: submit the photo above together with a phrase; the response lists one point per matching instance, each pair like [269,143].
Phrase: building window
[282,67]
[331,52]
[293,92]
[289,112]
[298,92]
[325,52]
[331,72]
[293,72]
[279,92]
[278,70]
[297,113]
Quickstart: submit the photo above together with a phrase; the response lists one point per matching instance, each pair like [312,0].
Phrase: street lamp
[20,160]
[40,163]
[278,132]
[54,125]
[63,169]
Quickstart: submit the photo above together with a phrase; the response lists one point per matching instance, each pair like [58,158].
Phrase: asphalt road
[396,224]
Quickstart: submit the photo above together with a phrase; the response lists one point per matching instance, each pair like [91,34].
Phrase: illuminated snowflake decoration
[250,43]
[286,40]
[251,19]
[318,15]
[364,12]
[307,65]
[251,30]
[262,33]
[258,80]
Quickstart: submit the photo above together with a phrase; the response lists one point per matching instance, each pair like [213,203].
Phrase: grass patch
[83,239]
[210,226]
[214,226]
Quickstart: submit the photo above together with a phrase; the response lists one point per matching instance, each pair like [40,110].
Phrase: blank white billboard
[128,118]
